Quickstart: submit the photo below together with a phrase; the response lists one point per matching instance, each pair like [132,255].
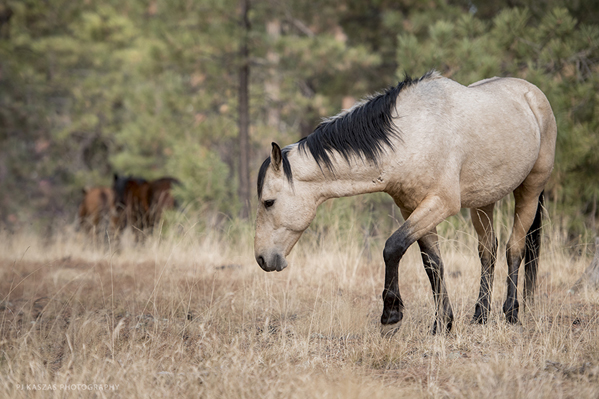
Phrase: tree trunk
[590,277]
[244,112]
[272,85]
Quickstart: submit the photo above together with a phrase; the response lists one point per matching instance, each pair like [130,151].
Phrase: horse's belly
[481,196]
[484,185]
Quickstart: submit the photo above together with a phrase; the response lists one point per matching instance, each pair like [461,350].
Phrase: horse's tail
[531,254]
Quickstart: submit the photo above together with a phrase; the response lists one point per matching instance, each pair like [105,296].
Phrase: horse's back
[526,94]
[164,183]
[159,192]
[485,138]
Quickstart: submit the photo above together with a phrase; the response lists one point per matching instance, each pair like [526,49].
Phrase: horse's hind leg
[526,196]
[531,255]
[433,265]
[482,219]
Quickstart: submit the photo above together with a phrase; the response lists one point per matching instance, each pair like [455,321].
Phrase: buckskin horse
[435,147]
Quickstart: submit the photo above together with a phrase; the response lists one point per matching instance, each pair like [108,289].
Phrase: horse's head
[118,187]
[286,209]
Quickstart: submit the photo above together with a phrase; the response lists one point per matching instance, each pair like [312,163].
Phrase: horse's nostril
[260,261]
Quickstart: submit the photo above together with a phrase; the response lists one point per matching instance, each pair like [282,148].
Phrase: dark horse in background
[130,204]
[139,203]
[434,146]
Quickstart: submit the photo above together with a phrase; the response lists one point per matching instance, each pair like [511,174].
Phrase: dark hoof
[389,330]
[392,307]
[390,322]
[391,316]
[447,328]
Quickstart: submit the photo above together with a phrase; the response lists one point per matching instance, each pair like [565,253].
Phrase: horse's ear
[84,190]
[116,177]
[276,157]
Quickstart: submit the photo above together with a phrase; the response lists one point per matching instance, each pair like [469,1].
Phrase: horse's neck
[357,177]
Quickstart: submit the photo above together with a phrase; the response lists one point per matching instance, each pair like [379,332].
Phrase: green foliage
[206,179]
[150,88]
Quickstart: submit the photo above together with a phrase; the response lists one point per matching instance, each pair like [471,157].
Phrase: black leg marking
[511,305]
[395,247]
[433,265]
[532,252]
[483,304]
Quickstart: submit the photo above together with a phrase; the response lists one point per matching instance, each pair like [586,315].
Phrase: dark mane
[363,132]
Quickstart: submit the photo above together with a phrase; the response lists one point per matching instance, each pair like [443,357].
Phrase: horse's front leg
[433,265]
[393,306]
[422,220]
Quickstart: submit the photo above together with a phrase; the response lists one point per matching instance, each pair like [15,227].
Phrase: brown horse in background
[95,209]
[131,204]
[139,203]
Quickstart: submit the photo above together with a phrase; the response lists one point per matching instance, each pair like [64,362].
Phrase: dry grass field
[194,316]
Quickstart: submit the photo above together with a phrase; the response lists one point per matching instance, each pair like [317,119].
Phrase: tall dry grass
[192,315]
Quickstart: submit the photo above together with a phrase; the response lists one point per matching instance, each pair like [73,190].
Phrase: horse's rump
[160,198]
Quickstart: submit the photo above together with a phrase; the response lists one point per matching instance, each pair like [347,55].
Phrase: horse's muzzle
[277,262]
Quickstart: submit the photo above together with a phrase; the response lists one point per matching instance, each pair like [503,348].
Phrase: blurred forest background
[197,89]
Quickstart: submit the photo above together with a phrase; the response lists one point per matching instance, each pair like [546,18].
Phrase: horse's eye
[269,203]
